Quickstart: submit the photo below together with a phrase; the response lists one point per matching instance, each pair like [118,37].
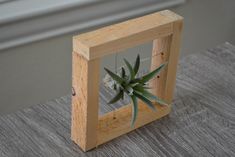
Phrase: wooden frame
[164,28]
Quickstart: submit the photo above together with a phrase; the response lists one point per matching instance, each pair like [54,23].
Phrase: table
[202,122]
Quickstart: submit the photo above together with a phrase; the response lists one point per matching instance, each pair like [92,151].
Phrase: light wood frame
[88,129]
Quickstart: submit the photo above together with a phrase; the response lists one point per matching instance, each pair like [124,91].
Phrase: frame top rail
[114,38]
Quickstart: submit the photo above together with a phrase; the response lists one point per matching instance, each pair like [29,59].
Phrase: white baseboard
[26,21]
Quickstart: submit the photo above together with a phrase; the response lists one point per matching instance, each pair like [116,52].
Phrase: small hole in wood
[73,92]
[158,76]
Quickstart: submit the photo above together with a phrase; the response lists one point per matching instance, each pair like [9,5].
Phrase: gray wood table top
[202,122]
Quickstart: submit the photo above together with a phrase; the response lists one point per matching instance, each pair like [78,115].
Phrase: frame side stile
[160,54]
[93,103]
[173,60]
[79,110]
[85,102]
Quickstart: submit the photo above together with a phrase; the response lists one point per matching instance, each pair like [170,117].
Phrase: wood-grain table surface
[202,122]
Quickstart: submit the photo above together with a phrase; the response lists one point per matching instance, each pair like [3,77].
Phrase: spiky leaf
[145,100]
[123,73]
[137,64]
[150,75]
[160,101]
[114,76]
[134,110]
[116,98]
[115,86]
[136,80]
[147,87]
[139,88]
[131,70]
[149,95]
[133,84]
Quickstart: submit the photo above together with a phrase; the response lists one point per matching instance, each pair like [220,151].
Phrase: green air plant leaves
[131,70]
[135,87]
[137,64]
[145,100]
[134,109]
[147,94]
[117,97]
[150,75]
[115,77]
[123,74]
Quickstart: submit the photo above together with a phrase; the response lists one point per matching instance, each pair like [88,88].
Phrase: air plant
[135,87]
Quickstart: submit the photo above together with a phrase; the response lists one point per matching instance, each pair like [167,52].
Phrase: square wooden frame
[164,28]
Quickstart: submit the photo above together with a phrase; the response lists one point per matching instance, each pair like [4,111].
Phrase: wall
[34,73]
[207,23]
[40,71]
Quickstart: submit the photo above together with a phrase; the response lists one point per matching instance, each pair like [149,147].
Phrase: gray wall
[207,23]
[35,73]
[41,71]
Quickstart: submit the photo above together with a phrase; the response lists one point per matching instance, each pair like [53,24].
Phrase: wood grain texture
[117,122]
[160,55]
[201,123]
[173,60]
[115,38]
[86,101]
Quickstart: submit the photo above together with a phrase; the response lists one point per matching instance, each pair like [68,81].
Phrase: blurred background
[36,39]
